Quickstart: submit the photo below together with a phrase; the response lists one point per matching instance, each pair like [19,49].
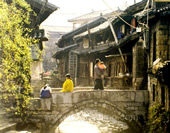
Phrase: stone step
[7,127]
[6,123]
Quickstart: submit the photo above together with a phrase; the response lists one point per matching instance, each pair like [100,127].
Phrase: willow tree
[15,46]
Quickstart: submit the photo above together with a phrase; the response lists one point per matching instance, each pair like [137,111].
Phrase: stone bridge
[125,105]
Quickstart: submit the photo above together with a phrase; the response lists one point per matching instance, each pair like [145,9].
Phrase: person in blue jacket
[45,92]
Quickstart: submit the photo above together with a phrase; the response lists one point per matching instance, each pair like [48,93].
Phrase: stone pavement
[6,124]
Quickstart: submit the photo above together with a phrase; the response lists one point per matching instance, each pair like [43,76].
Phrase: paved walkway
[6,124]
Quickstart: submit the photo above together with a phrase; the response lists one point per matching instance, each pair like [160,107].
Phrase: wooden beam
[116,40]
[90,40]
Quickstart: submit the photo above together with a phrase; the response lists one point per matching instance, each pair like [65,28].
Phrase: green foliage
[15,45]
[159,119]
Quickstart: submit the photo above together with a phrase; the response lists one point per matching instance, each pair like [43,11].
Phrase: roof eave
[48,8]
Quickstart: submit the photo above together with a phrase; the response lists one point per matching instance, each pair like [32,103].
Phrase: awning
[61,51]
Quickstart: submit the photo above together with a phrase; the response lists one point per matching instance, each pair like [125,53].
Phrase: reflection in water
[91,121]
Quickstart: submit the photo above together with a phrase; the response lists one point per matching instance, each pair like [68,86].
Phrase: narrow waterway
[91,121]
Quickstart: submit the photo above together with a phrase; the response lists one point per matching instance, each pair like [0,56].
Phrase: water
[91,121]
[77,127]
[86,121]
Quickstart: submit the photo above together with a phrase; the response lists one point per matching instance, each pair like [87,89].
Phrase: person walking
[68,84]
[98,72]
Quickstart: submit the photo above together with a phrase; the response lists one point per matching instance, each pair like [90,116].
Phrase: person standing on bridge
[68,84]
[98,72]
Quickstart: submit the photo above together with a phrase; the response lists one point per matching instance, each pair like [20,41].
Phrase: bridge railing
[70,98]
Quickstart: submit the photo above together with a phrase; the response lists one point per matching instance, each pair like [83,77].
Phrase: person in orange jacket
[68,84]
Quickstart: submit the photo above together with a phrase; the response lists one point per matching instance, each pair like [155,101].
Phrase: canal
[91,121]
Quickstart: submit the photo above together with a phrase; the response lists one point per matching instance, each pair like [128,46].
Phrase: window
[154,46]
[119,68]
[85,43]
[153,92]
[163,95]
[83,70]
[109,70]
[133,23]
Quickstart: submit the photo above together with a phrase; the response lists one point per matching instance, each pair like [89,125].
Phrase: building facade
[158,54]
[80,48]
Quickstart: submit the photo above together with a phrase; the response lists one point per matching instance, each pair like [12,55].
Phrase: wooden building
[119,51]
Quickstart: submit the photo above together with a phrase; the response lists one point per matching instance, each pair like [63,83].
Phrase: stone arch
[104,106]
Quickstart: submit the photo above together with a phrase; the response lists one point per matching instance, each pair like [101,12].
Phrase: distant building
[53,33]
[43,9]
[89,17]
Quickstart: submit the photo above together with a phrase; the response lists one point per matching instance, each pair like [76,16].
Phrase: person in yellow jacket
[68,84]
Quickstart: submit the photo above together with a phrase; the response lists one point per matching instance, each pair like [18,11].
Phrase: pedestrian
[102,68]
[98,72]
[68,84]
[45,92]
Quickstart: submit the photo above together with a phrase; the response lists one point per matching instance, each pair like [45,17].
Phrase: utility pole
[134,1]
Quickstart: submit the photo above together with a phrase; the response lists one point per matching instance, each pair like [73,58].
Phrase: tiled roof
[93,15]
[62,50]
[82,29]
[94,30]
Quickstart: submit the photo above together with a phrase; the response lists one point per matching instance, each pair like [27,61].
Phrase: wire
[119,16]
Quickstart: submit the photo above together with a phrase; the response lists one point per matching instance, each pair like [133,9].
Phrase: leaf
[16,58]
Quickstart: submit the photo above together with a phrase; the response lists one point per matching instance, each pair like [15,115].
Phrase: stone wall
[36,78]
[138,65]
[160,44]
[36,70]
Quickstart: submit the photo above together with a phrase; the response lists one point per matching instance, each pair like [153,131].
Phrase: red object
[102,66]
[47,73]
